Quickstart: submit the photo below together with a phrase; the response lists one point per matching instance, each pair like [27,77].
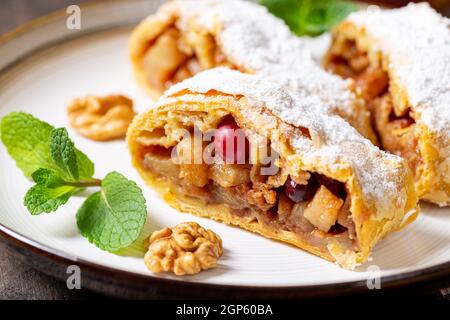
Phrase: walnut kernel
[101,118]
[187,248]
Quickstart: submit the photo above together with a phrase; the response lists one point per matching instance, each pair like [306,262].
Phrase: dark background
[19,281]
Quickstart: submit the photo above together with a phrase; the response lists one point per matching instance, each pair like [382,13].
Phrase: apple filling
[314,207]
[176,55]
[395,128]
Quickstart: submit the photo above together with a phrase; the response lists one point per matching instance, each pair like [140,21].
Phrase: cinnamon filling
[176,55]
[395,128]
[314,207]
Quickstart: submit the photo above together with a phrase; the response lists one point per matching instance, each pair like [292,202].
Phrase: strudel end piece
[300,174]
[185,37]
[400,60]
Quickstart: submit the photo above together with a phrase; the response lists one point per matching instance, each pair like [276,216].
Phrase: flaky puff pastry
[188,36]
[410,47]
[307,137]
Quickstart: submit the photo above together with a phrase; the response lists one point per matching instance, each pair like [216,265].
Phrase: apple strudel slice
[185,37]
[400,60]
[244,151]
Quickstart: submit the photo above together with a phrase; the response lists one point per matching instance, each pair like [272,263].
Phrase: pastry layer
[400,60]
[352,193]
[185,37]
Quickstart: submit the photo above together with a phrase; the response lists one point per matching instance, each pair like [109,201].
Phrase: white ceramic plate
[44,65]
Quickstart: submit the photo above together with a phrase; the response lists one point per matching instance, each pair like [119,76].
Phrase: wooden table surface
[17,280]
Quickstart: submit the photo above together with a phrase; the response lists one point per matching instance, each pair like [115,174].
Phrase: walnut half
[101,118]
[187,248]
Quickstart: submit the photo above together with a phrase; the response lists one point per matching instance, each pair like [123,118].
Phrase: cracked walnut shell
[101,118]
[187,248]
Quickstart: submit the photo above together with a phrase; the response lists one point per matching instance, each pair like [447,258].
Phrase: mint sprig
[119,207]
[111,218]
[310,17]
[27,141]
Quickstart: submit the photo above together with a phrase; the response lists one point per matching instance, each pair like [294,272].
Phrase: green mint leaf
[63,153]
[310,17]
[114,217]
[320,16]
[85,165]
[49,193]
[41,198]
[47,178]
[28,141]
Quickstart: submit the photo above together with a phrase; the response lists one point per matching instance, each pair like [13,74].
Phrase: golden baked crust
[185,37]
[412,46]
[380,184]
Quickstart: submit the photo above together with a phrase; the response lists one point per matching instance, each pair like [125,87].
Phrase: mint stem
[86,183]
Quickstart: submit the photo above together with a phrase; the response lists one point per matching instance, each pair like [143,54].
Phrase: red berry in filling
[298,192]
[230,142]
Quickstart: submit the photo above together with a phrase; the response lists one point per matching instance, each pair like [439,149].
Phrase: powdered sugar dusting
[417,41]
[244,28]
[256,40]
[338,140]
[308,79]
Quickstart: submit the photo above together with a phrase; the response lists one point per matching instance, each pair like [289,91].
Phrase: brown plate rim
[103,279]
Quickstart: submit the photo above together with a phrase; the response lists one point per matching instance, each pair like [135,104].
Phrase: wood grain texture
[20,281]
